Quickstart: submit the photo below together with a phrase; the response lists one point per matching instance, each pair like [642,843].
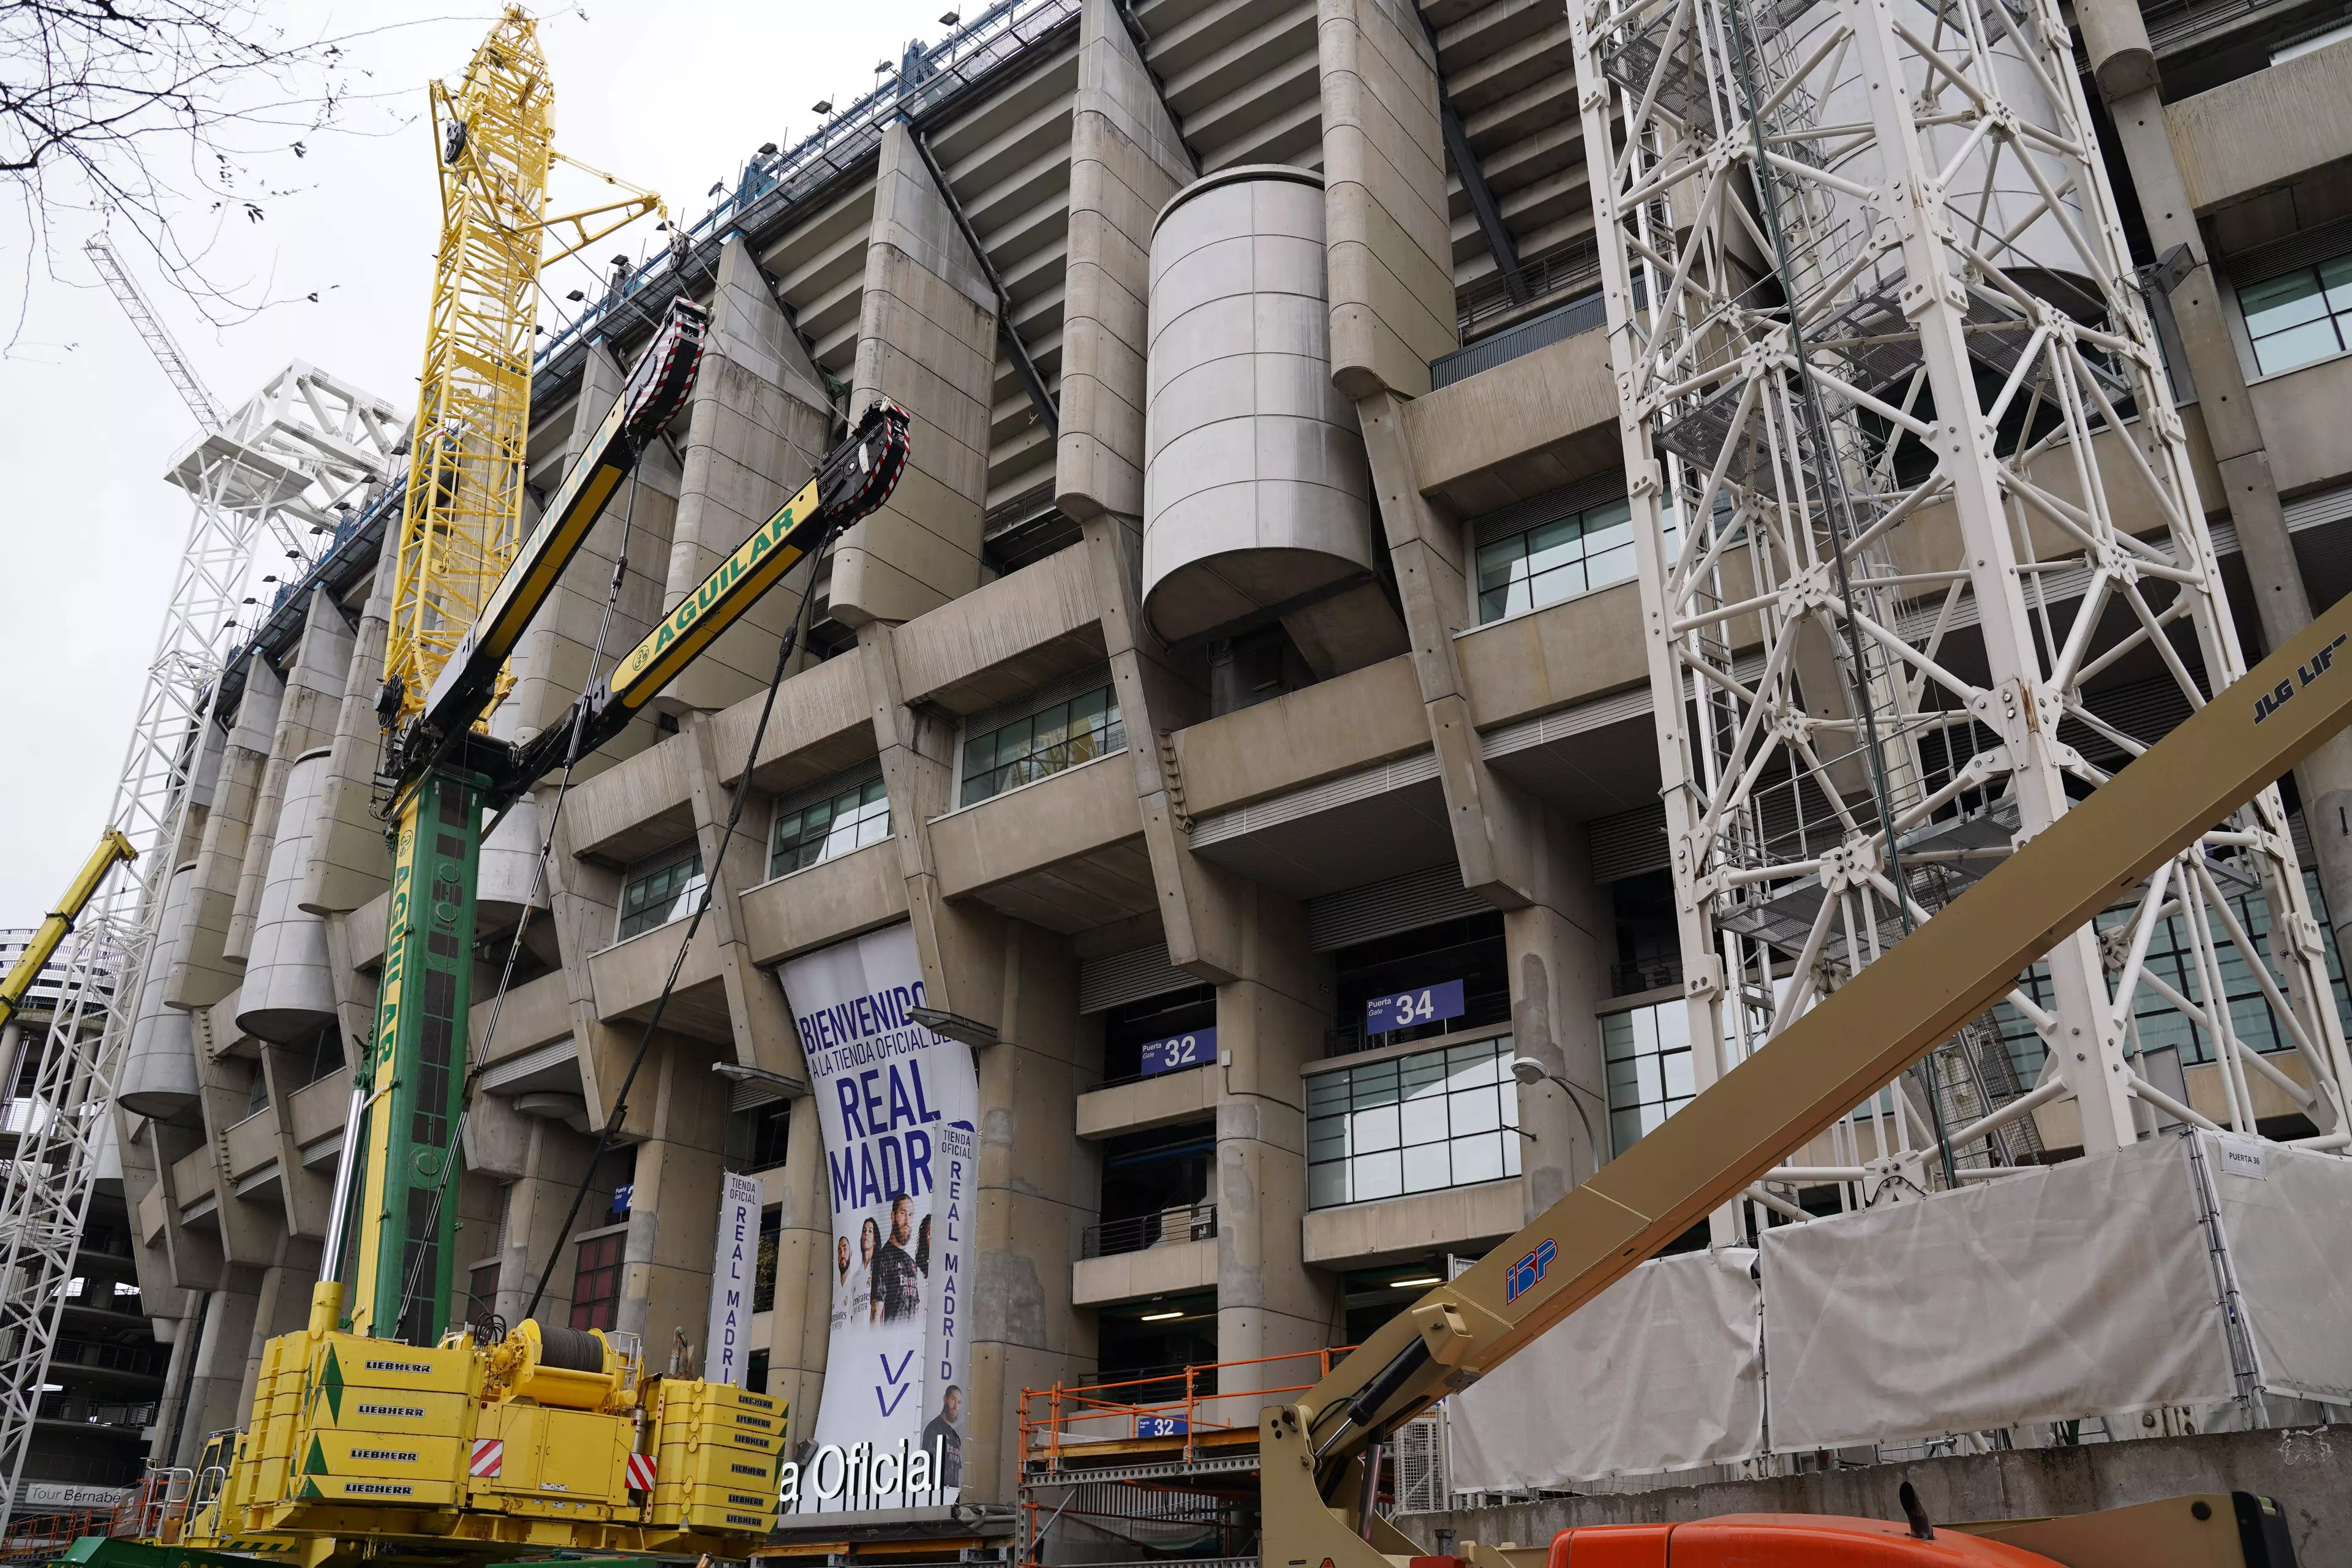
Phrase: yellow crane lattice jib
[461,516]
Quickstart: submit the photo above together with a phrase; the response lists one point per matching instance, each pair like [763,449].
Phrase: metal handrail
[1107,1417]
[1114,1237]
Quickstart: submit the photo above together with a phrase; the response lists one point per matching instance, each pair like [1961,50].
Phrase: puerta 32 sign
[897,1106]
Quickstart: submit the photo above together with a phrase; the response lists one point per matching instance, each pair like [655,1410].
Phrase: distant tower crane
[285,457]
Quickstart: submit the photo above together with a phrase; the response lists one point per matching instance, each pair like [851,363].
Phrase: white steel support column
[272,471]
[1921,552]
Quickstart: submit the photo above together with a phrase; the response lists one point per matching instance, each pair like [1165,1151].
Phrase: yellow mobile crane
[1320,1454]
[374,1433]
[54,930]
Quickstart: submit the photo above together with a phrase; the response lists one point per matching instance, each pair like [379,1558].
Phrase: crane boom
[112,847]
[1860,1036]
[461,518]
[160,341]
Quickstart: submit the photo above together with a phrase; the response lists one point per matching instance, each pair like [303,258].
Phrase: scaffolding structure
[275,467]
[1921,558]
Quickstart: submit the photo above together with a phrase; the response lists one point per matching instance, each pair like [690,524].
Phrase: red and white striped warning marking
[489,1457]
[641,1472]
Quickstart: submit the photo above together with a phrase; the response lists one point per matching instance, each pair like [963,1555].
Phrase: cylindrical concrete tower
[159,1072]
[509,878]
[1256,492]
[289,994]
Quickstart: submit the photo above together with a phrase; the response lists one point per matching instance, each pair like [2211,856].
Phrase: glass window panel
[1327,1091]
[2295,346]
[1652,1080]
[1680,1074]
[2336,277]
[1611,567]
[1326,1185]
[1427,1168]
[1424,1119]
[1369,1129]
[1624,1129]
[1478,1159]
[1558,585]
[2280,302]
[1478,1110]
[1375,1177]
[1501,561]
[1554,544]
[1617,1037]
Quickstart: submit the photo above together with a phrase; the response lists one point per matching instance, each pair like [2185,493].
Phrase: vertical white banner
[896,1105]
[726,1345]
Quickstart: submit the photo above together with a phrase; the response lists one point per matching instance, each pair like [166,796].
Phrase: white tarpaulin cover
[1657,1373]
[2286,1223]
[2084,1288]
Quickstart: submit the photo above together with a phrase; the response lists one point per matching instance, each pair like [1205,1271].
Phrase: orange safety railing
[1065,1416]
[28,1534]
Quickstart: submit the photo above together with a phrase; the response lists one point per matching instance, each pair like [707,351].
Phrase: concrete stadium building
[1254,635]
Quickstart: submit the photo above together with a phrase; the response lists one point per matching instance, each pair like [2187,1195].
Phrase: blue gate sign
[1196,1048]
[1408,1008]
[1162,1426]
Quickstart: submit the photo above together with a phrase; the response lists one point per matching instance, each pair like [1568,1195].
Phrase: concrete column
[1038,1190]
[305,721]
[761,1021]
[802,1324]
[350,860]
[217,1366]
[306,1195]
[1126,160]
[1387,226]
[552,663]
[961,949]
[674,1208]
[2116,38]
[1558,949]
[927,341]
[759,424]
[1498,830]
[202,971]
[1271,1021]
[1199,902]
[535,1204]
[281,1305]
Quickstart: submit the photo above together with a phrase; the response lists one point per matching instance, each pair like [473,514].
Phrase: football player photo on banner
[896,1105]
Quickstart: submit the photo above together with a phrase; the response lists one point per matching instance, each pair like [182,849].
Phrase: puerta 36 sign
[897,1106]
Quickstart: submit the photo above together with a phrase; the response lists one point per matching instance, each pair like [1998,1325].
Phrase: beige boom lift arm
[1315,1452]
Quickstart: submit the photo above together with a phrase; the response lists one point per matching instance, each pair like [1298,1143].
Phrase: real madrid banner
[896,1105]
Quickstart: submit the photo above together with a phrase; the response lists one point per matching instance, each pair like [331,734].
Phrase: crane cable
[612,1120]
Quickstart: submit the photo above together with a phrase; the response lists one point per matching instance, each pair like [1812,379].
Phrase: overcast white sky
[673,96]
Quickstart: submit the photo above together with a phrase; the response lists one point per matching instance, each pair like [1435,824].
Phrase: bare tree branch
[164,119]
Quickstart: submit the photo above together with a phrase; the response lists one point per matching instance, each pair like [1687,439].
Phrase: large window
[1062,736]
[2304,316]
[856,817]
[596,1289]
[1556,561]
[661,890]
[1443,1118]
[2156,1024]
[1648,1056]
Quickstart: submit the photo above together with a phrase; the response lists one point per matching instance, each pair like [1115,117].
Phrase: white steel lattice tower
[1920,545]
[286,456]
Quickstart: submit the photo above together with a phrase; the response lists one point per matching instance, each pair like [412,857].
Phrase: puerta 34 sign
[896,1105]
